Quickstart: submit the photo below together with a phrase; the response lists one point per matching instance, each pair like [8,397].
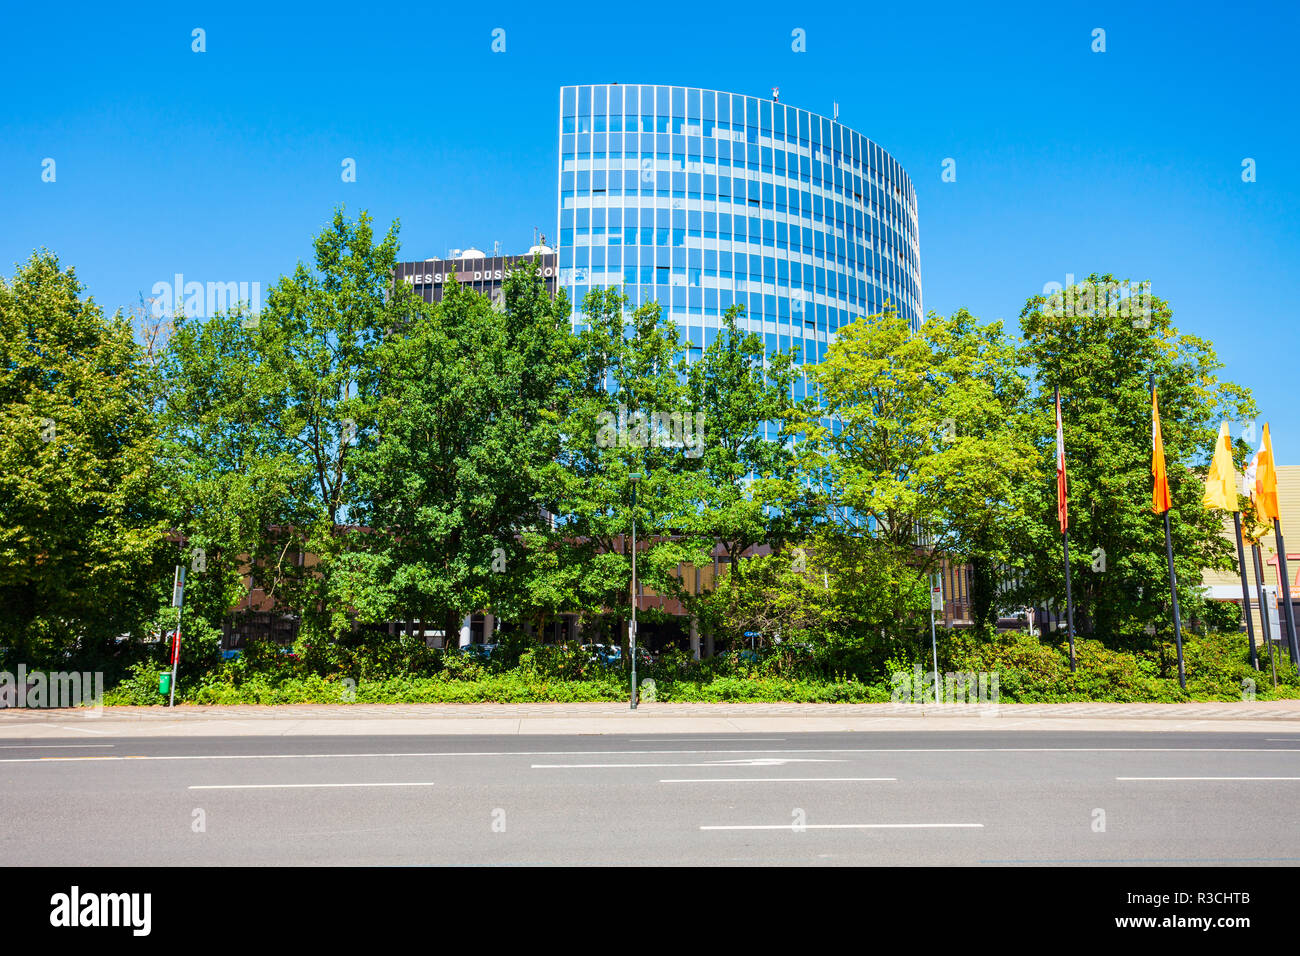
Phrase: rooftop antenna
[836,111]
[496,248]
[776,94]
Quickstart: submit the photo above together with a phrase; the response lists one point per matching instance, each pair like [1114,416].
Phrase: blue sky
[222,165]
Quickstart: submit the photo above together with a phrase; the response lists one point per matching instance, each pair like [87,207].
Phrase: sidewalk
[1272,717]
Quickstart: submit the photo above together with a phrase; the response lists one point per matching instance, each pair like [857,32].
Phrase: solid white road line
[605,753]
[763,762]
[1191,779]
[783,780]
[701,740]
[84,730]
[301,786]
[851,826]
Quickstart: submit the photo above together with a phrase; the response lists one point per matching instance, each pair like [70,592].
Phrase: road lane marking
[769,762]
[301,786]
[82,730]
[749,750]
[52,746]
[849,826]
[1192,779]
[695,740]
[1203,859]
[782,780]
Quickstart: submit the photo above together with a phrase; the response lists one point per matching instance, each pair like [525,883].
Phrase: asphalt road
[894,798]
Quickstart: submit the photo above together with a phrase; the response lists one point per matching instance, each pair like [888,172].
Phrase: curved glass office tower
[699,199]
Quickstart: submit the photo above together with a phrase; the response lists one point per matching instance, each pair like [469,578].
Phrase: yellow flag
[1266,481]
[1160,490]
[1221,483]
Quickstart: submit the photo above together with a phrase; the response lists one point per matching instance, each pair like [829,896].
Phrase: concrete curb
[1273,717]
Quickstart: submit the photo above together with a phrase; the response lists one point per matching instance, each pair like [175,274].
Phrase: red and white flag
[1062,505]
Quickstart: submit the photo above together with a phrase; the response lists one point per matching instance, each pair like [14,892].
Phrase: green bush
[139,687]
[770,690]
[1029,669]
[408,690]
[1033,671]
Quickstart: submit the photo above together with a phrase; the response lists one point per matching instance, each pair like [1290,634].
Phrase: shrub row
[1029,670]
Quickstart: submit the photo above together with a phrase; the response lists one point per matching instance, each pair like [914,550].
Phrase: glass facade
[699,199]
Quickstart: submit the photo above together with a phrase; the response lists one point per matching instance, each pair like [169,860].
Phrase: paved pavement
[999,797]
[615,718]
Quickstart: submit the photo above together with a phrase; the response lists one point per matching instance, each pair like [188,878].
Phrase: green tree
[82,536]
[628,411]
[458,461]
[1099,344]
[834,592]
[772,596]
[747,486]
[913,447]
[233,478]
[264,415]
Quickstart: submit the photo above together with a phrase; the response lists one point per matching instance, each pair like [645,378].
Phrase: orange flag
[1160,491]
[1266,480]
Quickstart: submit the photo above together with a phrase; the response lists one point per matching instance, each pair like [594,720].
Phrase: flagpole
[1069,598]
[1263,615]
[1245,590]
[1289,619]
[1173,591]
[1173,575]
[1065,527]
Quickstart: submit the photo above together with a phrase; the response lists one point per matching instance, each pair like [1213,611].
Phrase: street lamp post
[635,478]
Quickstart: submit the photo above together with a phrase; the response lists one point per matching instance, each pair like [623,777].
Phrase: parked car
[481,651]
[610,654]
[607,654]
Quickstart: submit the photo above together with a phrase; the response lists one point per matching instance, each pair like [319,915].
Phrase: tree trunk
[983,595]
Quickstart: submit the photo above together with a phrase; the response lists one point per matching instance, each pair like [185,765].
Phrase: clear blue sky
[222,165]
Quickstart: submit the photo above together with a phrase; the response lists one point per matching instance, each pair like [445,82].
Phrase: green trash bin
[165,684]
